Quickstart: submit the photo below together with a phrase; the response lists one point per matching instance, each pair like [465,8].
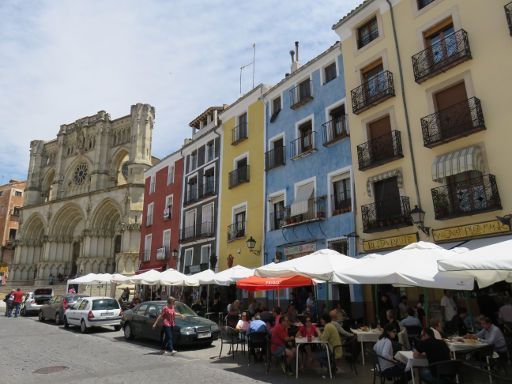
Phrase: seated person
[389,367]
[391,319]
[280,344]
[308,330]
[437,328]
[257,325]
[243,323]
[491,334]
[435,351]
[335,321]
[331,336]
[458,324]
[267,317]
[410,320]
[292,314]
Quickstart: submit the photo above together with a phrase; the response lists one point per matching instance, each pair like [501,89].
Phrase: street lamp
[251,243]
[418,217]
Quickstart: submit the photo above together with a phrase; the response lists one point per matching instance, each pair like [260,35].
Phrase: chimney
[295,57]
[297,51]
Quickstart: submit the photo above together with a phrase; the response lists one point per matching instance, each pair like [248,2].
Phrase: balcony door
[453,114]
[467,192]
[337,118]
[442,42]
[381,140]
[240,224]
[241,166]
[373,79]
[278,152]
[306,136]
[387,199]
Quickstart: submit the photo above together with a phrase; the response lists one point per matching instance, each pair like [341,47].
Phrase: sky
[61,60]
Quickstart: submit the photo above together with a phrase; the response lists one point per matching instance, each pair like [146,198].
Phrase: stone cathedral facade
[84,198]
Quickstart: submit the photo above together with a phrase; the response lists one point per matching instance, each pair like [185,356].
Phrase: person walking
[18,299]
[9,298]
[168,315]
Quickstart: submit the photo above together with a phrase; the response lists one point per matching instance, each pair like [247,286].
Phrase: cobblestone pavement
[34,352]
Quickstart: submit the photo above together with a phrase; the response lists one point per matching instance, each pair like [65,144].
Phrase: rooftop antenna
[253,63]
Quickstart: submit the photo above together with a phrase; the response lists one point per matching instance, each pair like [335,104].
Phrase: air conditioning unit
[160,253]
[167,213]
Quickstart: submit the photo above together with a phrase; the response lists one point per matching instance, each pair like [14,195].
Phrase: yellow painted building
[428,82]
[241,195]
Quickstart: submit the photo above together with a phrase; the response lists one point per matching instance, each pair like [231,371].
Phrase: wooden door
[278,152]
[381,140]
[453,114]
[387,199]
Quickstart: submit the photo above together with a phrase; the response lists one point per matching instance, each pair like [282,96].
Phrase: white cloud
[62,60]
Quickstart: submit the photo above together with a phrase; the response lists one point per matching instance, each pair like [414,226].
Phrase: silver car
[35,300]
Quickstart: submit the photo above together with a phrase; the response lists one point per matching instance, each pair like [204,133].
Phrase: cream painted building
[430,121]
[84,198]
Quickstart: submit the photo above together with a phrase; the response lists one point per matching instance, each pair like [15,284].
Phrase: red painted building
[160,226]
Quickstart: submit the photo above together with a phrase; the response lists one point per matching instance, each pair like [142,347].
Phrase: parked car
[56,307]
[35,300]
[94,311]
[190,330]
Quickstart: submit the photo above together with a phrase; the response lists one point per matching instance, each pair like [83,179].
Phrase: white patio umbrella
[86,279]
[232,275]
[103,278]
[151,277]
[204,277]
[413,265]
[319,265]
[118,278]
[487,265]
[173,277]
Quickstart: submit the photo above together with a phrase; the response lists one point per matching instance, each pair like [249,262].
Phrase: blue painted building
[308,165]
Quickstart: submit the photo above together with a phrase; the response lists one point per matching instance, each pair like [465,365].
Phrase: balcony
[374,91]
[275,158]
[208,188]
[335,130]
[303,146]
[479,194]
[458,120]
[508,13]
[236,231]
[380,150]
[208,229]
[276,220]
[239,133]
[340,204]
[300,95]
[300,212]
[441,56]
[196,193]
[188,233]
[386,214]
[192,194]
[239,176]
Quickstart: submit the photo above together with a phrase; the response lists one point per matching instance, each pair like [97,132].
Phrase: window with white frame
[341,198]
[149,215]
[207,220]
[168,207]
[189,230]
[18,193]
[303,206]
[152,184]
[170,174]
[188,258]
[210,151]
[330,72]
[193,161]
[147,247]
[237,229]
[276,108]
[166,242]
[205,254]
[339,245]
[276,211]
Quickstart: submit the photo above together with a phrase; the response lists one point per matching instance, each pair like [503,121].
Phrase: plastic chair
[229,336]
[256,340]
[377,371]
[351,351]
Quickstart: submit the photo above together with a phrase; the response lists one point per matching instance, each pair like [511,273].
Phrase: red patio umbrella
[256,283]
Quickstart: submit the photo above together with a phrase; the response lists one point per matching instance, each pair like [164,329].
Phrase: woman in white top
[389,367]
[243,323]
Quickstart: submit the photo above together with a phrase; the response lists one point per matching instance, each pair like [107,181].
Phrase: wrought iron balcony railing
[236,231]
[277,220]
[441,56]
[239,176]
[208,229]
[367,39]
[303,145]
[386,214]
[188,233]
[508,13]
[196,192]
[380,150]
[335,130]
[374,91]
[456,121]
[300,95]
[303,211]
[340,204]
[275,158]
[239,133]
[472,196]
[192,194]
[208,188]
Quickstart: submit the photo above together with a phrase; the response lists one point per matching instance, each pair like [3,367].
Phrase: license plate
[107,314]
[204,335]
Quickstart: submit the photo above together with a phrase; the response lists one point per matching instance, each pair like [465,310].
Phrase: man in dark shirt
[435,351]
[457,325]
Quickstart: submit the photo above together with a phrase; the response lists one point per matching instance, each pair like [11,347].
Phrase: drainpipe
[404,102]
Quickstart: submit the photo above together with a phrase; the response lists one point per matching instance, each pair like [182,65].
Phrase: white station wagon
[94,312]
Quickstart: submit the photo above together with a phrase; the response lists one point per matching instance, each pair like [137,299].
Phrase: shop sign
[470,231]
[303,248]
[390,242]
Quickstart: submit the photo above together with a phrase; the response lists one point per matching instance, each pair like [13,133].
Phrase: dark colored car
[35,300]
[191,330]
[56,307]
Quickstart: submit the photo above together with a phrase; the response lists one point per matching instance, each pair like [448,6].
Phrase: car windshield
[72,298]
[43,292]
[184,309]
[105,304]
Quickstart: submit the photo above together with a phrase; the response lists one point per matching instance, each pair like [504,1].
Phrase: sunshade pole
[470,315]
[425,296]
[208,298]
[90,290]
[377,304]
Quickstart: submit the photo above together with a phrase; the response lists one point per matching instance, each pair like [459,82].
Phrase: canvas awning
[256,283]
[453,163]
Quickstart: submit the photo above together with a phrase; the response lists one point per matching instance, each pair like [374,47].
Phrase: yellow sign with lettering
[470,231]
[390,242]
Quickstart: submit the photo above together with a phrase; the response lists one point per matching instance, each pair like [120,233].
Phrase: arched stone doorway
[29,251]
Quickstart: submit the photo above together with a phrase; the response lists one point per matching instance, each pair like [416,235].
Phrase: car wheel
[66,324]
[57,319]
[83,327]
[41,316]
[117,327]
[23,312]
[128,334]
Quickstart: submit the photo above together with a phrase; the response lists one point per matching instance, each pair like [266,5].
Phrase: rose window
[80,174]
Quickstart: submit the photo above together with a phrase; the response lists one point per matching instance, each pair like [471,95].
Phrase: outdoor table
[315,340]
[370,336]
[462,346]
[411,362]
